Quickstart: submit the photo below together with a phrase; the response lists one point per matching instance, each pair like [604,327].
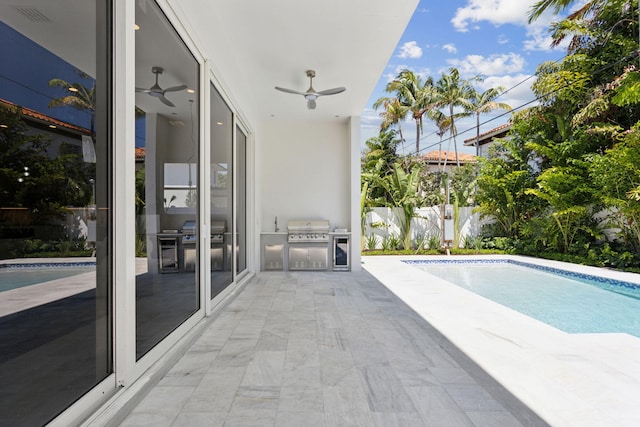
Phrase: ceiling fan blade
[176,88]
[311,104]
[283,89]
[139,89]
[333,91]
[166,101]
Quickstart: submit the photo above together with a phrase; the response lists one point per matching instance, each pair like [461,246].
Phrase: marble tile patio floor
[325,349]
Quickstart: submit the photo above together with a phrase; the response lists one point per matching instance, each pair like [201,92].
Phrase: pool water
[572,304]
[13,278]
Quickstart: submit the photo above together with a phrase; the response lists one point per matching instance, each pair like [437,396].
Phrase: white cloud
[422,72]
[518,86]
[497,12]
[450,47]
[500,12]
[539,39]
[498,64]
[503,39]
[410,50]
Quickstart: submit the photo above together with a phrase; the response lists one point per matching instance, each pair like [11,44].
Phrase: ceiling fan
[311,95]
[157,92]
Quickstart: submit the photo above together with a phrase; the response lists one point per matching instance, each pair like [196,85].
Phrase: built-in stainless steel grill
[189,232]
[308,231]
[217,231]
[218,228]
[189,239]
[308,244]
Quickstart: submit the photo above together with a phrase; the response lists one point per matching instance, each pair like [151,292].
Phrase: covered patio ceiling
[252,47]
[256,45]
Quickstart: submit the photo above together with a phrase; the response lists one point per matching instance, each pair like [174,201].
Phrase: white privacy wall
[303,172]
[383,222]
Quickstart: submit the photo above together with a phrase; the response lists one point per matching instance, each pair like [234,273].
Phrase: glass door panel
[166,182]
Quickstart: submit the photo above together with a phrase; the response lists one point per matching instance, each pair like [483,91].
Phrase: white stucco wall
[383,222]
[304,172]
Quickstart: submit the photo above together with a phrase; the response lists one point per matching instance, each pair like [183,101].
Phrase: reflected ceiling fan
[157,92]
[311,95]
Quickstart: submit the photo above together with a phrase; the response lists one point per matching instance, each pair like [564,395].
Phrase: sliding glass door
[221,207]
[55,206]
[166,180]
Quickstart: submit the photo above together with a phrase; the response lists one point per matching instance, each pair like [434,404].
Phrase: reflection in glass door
[167,166]
[221,194]
[55,207]
[241,217]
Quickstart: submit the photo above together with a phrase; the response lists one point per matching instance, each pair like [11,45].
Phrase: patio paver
[325,349]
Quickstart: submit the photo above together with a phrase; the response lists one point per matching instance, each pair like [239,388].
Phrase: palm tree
[381,147]
[484,102]
[443,122]
[589,9]
[413,95]
[451,92]
[393,114]
[76,96]
[559,5]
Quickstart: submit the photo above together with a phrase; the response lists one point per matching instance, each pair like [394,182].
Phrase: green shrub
[395,242]
[371,242]
[434,241]
[386,243]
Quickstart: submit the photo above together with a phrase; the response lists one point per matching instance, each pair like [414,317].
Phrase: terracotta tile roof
[437,155]
[141,152]
[28,112]
[486,137]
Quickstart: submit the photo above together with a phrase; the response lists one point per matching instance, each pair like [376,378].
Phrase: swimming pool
[572,302]
[14,276]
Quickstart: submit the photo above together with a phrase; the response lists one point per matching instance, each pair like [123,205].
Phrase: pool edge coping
[586,376]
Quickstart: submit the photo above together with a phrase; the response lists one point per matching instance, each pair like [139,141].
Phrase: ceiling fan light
[311,96]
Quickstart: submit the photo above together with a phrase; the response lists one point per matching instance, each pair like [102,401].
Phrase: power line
[403,147]
[448,140]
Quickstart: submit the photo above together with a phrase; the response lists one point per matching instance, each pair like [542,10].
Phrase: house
[229,162]
[445,161]
[484,140]
[57,132]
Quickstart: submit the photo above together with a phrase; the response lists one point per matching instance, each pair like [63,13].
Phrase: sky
[487,37]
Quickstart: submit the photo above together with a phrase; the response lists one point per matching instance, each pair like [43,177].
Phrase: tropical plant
[403,191]
[506,174]
[386,243]
[567,194]
[76,96]
[381,147]
[372,242]
[393,115]
[32,177]
[451,93]
[395,242]
[616,176]
[412,96]
[420,241]
[434,241]
[485,102]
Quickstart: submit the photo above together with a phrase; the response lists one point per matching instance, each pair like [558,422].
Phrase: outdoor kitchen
[309,210]
[306,245]
[177,247]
